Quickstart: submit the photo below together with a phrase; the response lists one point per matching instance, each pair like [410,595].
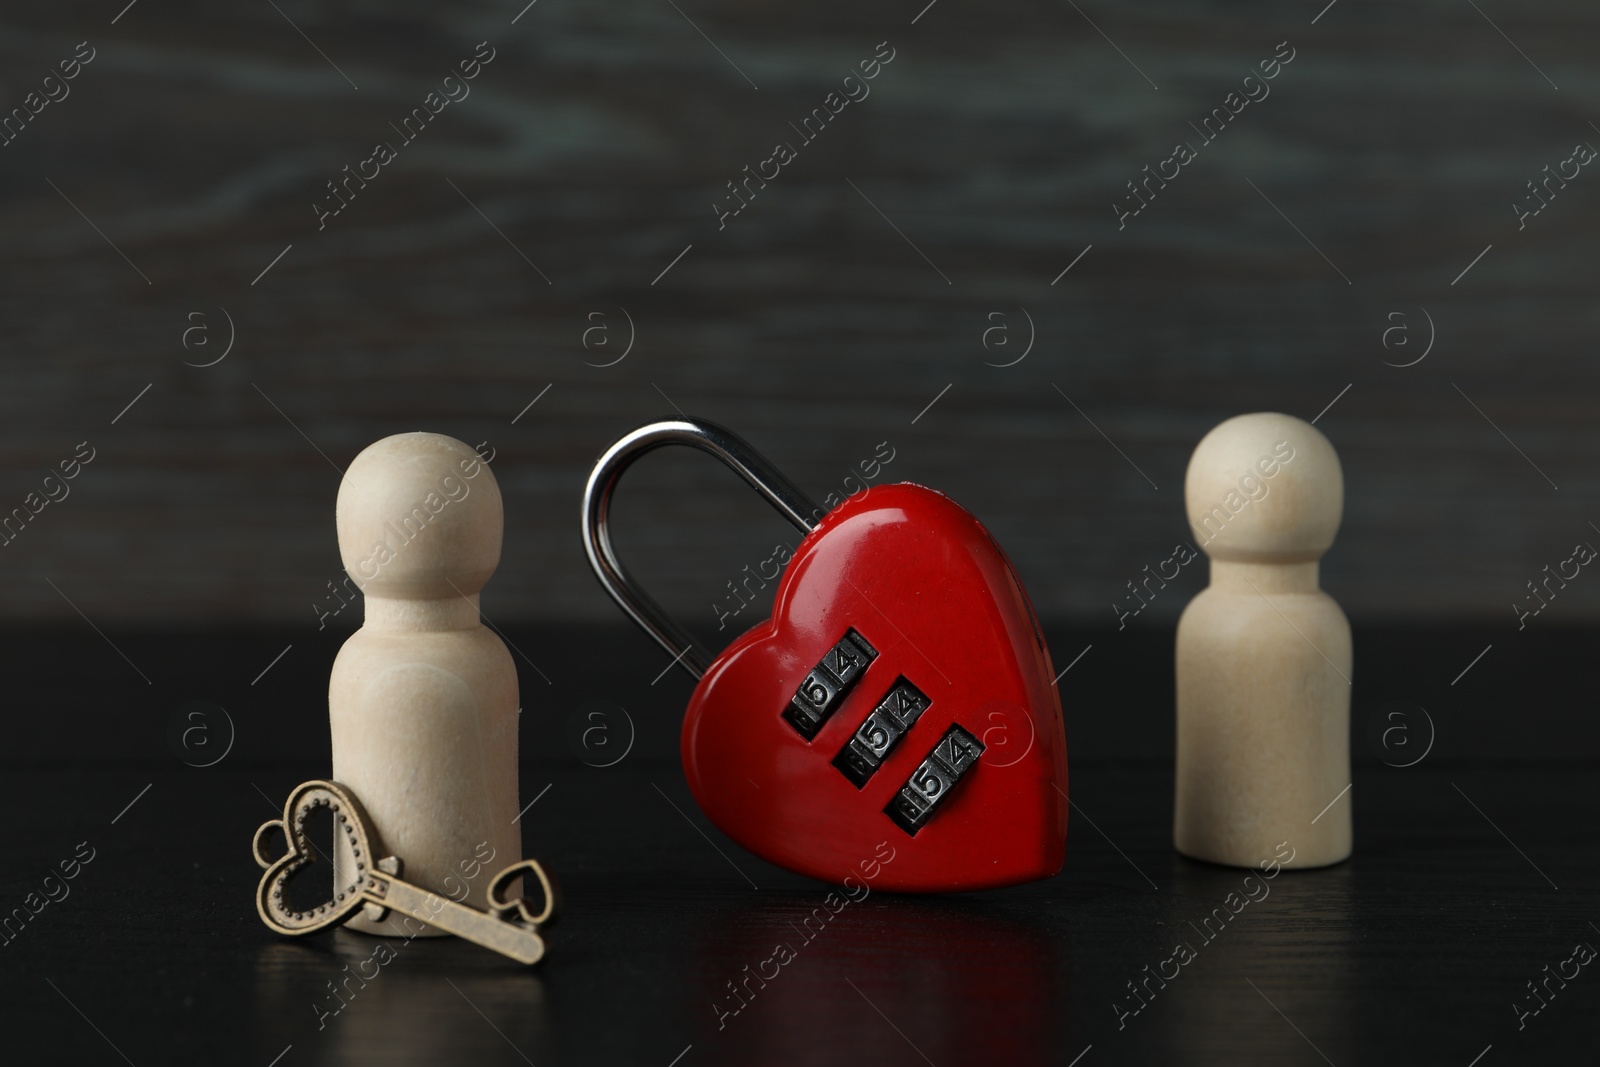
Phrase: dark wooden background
[577,180]
[596,142]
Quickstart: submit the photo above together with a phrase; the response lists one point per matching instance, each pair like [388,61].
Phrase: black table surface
[1473,877]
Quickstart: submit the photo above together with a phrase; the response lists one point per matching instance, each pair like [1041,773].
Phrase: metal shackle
[737,455]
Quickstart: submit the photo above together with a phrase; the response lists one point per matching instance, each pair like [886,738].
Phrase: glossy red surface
[925,584]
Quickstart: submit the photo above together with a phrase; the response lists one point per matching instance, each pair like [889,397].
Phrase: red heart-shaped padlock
[901,693]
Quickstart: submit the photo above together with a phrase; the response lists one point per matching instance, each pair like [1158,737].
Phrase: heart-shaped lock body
[901,693]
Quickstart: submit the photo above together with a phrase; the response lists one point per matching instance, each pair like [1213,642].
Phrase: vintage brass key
[510,927]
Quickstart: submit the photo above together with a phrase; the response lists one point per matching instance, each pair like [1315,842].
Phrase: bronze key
[509,927]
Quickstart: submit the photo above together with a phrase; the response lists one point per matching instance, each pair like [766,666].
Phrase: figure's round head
[1264,488]
[419,518]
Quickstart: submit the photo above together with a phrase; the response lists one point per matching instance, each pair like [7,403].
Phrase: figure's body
[1263,655]
[423,699]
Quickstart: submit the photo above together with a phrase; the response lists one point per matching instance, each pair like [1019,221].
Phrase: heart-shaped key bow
[900,694]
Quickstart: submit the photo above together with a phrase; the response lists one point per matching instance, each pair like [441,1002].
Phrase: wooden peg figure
[1263,654]
[423,699]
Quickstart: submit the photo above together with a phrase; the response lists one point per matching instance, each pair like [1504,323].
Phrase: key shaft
[505,936]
